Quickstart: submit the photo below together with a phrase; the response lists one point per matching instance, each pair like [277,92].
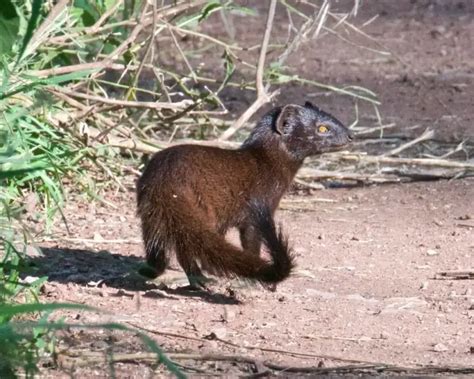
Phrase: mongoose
[190,195]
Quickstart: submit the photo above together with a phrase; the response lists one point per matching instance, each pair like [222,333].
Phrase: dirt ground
[364,288]
[367,286]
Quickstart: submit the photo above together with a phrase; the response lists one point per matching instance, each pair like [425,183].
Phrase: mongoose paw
[193,288]
[147,271]
[270,287]
[199,282]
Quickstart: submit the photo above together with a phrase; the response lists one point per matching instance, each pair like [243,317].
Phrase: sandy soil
[366,286]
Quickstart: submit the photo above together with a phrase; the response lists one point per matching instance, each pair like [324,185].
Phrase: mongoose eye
[323,129]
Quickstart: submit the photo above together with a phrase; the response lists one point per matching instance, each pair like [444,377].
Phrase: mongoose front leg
[157,262]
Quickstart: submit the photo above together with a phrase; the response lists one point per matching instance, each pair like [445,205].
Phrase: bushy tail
[222,258]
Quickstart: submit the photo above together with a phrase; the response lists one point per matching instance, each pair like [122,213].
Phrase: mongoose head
[307,130]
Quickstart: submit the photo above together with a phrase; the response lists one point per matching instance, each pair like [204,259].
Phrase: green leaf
[109,4]
[5,74]
[8,310]
[229,67]
[89,13]
[8,31]
[32,23]
[210,8]
[61,78]
[48,81]
[191,21]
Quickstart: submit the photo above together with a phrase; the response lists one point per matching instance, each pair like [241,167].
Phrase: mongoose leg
[157,260]
[250,239]
[197,280]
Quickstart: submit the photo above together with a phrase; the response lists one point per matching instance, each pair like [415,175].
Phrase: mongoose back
[190,195]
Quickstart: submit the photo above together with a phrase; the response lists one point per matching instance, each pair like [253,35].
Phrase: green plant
[24,342]
[17,349]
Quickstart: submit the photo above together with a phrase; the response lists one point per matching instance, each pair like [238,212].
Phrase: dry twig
[48,22]
[262,96]
[81,358]
[455,275]
[423,162]
[316,174]
[124,103]
[428,134]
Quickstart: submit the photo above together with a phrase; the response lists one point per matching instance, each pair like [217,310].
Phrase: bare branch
[262,96]
[426,162]
[53,14]
[124,103]
[263,50]
[427,135]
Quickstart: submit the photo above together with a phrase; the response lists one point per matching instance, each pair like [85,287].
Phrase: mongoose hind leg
[197,280]
[250,238]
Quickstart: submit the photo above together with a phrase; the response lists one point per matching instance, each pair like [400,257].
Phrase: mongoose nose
[350,135]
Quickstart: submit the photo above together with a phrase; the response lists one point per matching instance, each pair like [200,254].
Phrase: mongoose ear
[309,104]
[288,118]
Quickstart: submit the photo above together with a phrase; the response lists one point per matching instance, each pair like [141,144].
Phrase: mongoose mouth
[338,147]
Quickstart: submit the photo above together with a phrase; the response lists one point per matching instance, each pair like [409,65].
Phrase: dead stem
[82,358]
[262,96]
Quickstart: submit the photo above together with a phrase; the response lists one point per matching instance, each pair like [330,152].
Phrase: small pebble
[439,347]
[97,237]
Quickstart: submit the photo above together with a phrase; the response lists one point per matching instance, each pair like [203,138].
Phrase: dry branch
[261,92]
[257,104]
[316,174]
[368,130]
[424,162]
[455,275]
[428,134]
[82,358]
[49,20]
[99,65]
[311,24]
[124,103]
[150,148]
[262,96]
[105,63]
[165,11]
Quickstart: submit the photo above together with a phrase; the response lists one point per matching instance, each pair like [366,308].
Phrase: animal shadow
[94,268]
[87,267]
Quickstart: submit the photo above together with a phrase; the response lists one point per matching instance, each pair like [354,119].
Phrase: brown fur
[190,195]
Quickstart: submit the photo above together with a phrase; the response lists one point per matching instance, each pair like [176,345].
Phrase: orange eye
[323,129]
